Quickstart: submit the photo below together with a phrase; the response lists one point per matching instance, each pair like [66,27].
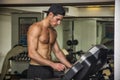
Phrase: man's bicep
[32,43]
[32,40]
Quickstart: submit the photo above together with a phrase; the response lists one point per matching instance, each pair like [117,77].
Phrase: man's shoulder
[36,25]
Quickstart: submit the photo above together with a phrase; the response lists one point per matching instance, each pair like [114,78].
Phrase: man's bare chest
[47,36]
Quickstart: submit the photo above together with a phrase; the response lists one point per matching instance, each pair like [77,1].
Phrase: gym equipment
[69,42]
[6,64]
[71,57]
[20,57]
[87,65]
[108,71]
[72,42]
[75,42]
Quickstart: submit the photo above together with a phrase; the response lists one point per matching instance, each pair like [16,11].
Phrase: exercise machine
[88,64]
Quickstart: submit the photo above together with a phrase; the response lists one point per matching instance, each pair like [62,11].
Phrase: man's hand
[59,66]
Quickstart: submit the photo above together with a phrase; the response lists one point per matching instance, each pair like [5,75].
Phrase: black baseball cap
[56,9]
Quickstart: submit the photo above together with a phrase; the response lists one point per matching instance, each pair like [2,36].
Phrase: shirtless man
[41,41]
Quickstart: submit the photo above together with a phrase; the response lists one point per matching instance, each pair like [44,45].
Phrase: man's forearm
[63,60]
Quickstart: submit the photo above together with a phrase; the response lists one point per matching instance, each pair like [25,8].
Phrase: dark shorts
[43,72]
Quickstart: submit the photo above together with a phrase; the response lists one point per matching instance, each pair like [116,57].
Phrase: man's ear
[51,14]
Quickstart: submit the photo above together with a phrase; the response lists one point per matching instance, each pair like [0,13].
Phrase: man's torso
[46,40]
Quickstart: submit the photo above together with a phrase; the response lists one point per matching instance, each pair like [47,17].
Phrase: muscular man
[41,41]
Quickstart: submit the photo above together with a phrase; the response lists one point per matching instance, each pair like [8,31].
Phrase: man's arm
[59,54]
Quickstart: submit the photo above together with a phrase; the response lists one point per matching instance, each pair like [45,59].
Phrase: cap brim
[46,11]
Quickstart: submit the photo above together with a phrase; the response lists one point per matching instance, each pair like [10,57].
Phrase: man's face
[56,20]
